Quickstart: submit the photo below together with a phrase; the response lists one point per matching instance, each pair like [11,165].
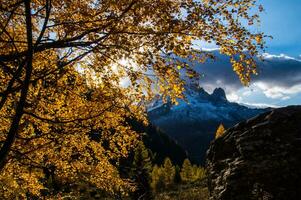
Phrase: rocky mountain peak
[194,122]
[219,94]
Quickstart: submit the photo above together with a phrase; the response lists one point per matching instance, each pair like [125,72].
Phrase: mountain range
[193,122]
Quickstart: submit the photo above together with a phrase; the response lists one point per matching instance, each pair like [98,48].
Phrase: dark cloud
[281,71]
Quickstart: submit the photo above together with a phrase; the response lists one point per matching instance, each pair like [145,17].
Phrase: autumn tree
[157,178]
[169,172]
[72,69]
[199,173]
[191,173]
[220,131]
[186,171]
[163,177]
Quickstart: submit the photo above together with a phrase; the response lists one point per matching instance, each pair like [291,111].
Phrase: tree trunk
[13,130]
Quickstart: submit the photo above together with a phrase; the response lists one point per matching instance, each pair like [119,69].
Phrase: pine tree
[169,172]
[220,131]
[186,171]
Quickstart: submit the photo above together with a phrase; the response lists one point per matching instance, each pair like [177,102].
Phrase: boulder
[258,159]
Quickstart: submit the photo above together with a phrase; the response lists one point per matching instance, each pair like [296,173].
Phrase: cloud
[281,56]
[260,105]
[247,93]
[286,98]
[279,77]
[278,92]
[210,49]
[283,72]
[234,97]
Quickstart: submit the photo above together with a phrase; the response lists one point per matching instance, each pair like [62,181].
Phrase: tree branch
[5,149]
[48,9]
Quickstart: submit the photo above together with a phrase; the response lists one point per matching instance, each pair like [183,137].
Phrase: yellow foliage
[73,72]
[220,131]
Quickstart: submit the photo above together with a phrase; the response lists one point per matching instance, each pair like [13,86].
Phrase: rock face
[258,159]
[219,95]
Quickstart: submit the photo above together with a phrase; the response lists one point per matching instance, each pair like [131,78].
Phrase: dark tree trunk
[13,130]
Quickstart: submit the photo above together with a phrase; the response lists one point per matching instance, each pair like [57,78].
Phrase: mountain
[193,122]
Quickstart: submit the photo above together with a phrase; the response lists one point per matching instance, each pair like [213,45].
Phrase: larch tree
[199,173]
[220,131]
[169,172]
[186,171]
[157,182]
[71,70]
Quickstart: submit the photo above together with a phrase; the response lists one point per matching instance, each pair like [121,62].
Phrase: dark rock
[258,159]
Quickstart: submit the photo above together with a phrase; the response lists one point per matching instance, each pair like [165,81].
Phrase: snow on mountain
[194,120]
[200,105]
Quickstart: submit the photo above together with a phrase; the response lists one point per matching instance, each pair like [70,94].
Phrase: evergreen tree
[169,172]
[157,182]
[195,170]
[186,171]
[220,131]
[199,173]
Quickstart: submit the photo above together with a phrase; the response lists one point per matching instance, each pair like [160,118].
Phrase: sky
[279,80]
[281,19]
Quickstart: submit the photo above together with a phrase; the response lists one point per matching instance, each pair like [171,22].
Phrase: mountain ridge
[193,122]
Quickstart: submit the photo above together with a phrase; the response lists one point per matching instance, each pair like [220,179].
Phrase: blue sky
[281,19]
[279,80]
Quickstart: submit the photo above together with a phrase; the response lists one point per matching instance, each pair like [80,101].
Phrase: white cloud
[285,98]
[276,83]
[234,97]
[205,46]
[281,56]
[210,49]
[278,92]
[218,82]
[260,105]
[247,93]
